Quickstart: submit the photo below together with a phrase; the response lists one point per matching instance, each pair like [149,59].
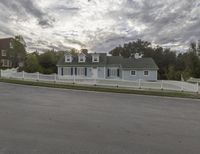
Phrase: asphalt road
[51,121]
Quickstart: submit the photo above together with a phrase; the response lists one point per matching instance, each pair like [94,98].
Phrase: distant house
[99,65]
[5,46]
[8,56]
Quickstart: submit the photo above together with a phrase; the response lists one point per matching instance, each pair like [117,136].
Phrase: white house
[99,65]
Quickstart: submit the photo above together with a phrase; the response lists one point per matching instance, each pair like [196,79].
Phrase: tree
[18,51]
[192,64]
[116,51]
[32,64]
[193,47]
[198,48]
[129,49]
[73,51]
[85,51]
[48,61]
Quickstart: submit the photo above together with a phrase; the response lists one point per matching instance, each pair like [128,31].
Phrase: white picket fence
[160,84]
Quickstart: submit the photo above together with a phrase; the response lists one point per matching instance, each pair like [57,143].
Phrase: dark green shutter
[62,71]
[72,71]
[118,73]
[108,73]
[75,70]
[85,71]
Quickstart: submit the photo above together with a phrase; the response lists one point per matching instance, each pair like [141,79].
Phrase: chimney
[138,55]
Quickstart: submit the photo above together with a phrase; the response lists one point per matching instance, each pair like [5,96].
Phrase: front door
[94,73]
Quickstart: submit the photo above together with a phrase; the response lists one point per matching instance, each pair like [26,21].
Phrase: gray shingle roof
[112,61]
[142,63]
[88,62]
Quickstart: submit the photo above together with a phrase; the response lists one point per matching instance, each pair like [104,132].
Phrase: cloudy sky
[100,25]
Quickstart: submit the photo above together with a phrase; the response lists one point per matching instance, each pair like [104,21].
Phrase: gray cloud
[75,42]
[174,22]
[66,8]
[100,25]
[24,7]
[46,21]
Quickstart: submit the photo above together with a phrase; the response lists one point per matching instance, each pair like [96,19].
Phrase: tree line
[45,62]
[172,66]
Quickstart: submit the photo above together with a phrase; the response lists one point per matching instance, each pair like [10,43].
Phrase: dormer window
[68,58]
[81,58]
[95,58]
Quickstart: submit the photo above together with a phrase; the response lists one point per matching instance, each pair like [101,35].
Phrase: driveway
[37,120]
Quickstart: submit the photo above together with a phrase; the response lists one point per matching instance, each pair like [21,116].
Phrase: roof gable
[81,54]
[68,54]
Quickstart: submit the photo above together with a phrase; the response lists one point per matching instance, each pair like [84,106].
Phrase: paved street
[37,120]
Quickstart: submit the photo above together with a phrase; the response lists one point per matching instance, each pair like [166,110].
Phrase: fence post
[197,87]
[55,77]
[0,73]
[182,88]
[117,83]
[23,76]
[95,81]
[74,80]
[38,76]
[139,84]
[161,84]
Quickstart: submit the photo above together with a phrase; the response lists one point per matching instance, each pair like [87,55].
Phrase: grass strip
[104,89]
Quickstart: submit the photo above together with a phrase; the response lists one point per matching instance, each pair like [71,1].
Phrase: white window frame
[95,58]
[68,58]
[5,63]
[113,72]
[147,74]
[3,53]
[81,58]
[67,71]
[133,74]
[81,71]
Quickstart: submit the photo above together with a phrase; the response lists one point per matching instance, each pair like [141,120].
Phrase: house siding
[67,71]
[89,72]
[5,58]
[116,76]
[140,75]
[101,72]
[59,70]
[6,44]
